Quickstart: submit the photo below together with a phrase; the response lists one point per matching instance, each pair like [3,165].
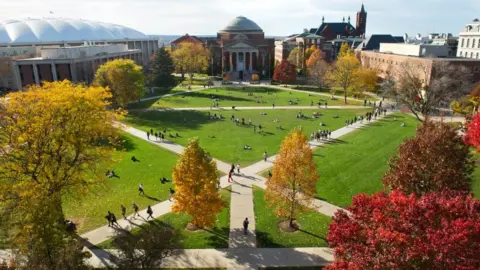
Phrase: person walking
[172,192]
[148,135]
[135,210]
[108,217]
[238,169]
[124,211]
[265,156]
[140,190]
[230,176]
[113,219]
[149,212]
[245,226]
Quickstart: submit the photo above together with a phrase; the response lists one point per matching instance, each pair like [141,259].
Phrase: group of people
[110,174]
[215,117]
[161,135]
[321,135]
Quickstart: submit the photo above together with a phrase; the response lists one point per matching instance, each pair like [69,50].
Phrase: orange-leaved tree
[292,185]
[285,72]
[195,177]
[316,57]
[434,160]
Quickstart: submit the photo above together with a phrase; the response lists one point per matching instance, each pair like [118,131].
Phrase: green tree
[295,57]
[124,78]
[163,68]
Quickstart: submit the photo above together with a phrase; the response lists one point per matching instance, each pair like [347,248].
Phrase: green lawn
[90,209]
[230,139]
[238,96]
[338,91]
[357,162]
[312,233]
[217,237]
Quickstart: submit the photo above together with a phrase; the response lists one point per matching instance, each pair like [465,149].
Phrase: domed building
[51,49]
[240,49]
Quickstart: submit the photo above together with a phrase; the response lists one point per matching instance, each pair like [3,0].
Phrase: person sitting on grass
[246,147]
[170,134]
[134,159]
[176,135]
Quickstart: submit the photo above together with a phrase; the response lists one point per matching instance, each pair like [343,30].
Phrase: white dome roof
[52,31]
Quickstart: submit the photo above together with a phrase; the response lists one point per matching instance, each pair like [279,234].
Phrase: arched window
[473,43]
[468,42]
[461,54]
[477,55]
[463,42]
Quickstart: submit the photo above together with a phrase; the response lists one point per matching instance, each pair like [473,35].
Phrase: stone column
[73,71]
[54,72]
[251,61]
[231,61]
[18,79]
[35,74]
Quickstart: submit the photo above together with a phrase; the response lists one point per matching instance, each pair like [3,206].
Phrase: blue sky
[276,17]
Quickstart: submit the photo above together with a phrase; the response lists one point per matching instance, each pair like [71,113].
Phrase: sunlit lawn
[89,210]
[216,237]
[312,233]
[357,162]
[239,96]
[229,139]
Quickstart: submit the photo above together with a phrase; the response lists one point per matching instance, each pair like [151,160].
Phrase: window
[463,42]
[473,43]
[461,54]
[477,55]
[478,44]
[468,42]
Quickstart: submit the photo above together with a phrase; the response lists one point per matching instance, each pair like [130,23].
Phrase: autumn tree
[397,231]
[345,50]
[472,135]
[191,58]
[295,57]
[146,248]
[309,51]
[316,57]
[344,73]
[124,78]
[423,88]
[434,160]
[54,138]
[255,77]
[317,69]
[366,80]
[196,178]
[285,73]
[163,68]
[467,105]
[294,178]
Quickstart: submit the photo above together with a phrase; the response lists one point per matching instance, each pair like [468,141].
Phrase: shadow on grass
[127,144]
[314,235]
[335,141]
[158,120]
[265,240]
[219,237]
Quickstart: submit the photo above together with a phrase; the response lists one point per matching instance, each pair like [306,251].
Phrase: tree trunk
[345,94]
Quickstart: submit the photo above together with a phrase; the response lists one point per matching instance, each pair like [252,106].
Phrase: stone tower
[361,22]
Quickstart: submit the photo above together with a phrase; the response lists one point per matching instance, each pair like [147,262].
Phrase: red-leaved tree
[395,231]
[285,72]
[434,160]
[472,136]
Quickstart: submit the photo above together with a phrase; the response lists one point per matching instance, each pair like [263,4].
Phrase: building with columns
[36,50]
[244,50]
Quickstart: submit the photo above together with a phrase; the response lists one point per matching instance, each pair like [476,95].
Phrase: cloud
[276,17]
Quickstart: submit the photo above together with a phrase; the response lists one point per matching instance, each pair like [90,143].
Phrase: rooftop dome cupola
[242,24]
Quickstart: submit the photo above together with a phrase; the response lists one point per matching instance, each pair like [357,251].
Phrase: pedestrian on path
[238,169]
[140,190]
[149,212]
[148,135]
[113,219]
[230,176]
[265,156]
[124,211]
[135,210]
[245,226]
[151,131]
[172,192]
[108,217]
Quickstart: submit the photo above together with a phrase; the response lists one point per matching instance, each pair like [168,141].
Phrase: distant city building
[36,50]
[373,42]
[469,41]
[239,49]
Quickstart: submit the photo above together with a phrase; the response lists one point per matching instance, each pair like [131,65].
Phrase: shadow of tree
[169,119]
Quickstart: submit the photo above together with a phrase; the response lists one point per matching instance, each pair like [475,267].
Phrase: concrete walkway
[254,108]
[242,258]
[310,92]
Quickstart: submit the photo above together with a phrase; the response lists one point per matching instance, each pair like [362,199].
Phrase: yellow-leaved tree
[124,78]
[344,73]
[294,177]
[345,50]
[366,80]
[195,177]
[191,58]
[53,139]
